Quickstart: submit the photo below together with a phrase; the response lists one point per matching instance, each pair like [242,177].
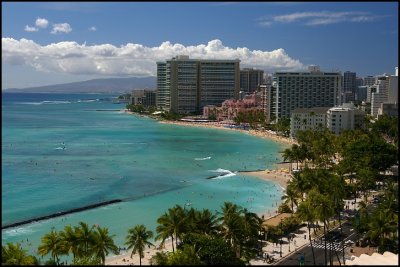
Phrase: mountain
[110,85]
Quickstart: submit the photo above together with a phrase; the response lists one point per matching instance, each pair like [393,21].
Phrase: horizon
[57,43]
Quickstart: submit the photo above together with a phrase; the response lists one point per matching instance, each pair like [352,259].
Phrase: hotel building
[305,90]
[187,85]
[250,79]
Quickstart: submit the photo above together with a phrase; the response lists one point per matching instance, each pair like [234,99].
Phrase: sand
[216,125]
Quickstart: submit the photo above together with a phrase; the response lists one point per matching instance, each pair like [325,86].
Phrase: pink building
[231,107]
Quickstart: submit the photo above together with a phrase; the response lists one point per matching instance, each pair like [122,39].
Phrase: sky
[47,43]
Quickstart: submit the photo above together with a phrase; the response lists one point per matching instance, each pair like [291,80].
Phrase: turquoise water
[59,153]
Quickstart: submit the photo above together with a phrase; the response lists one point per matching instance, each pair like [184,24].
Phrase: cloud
[132,59]
[41,23]
[30,29]
[92,29]
[61,28]
[319,18]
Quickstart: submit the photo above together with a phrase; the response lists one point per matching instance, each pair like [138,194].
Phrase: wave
[202,158]
[88,100]
[60,148]
[45,102]
[222,174]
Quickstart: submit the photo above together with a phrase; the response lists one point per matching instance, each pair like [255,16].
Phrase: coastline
[215,125]
[279,174]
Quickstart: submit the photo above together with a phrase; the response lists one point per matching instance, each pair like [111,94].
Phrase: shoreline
[216,125]
[279,174]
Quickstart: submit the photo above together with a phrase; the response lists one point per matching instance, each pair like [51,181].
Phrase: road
[333,240]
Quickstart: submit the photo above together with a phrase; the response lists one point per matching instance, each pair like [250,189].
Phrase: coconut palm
[52,243]
[206,222]
[137,239]
[70,241]
[305,212]
[13,254]
[103,243]
[380,226]
[291,195]
[84,239]
[171,225]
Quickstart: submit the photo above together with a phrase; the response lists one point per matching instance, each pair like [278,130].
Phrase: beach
[216,125]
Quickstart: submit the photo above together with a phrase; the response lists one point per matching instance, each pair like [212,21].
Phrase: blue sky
[50,42]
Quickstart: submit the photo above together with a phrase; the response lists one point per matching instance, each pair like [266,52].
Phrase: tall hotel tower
[187,85]
[306,90]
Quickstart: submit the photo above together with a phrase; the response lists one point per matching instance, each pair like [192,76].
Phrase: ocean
[65,151]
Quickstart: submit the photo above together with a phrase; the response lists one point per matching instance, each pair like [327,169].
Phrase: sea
[66,151]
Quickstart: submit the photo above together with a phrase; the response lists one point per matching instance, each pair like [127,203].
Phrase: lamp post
[281,239]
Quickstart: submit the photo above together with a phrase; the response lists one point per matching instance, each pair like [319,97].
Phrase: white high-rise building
[305,90]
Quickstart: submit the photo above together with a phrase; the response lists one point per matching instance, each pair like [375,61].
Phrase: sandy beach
[217,125]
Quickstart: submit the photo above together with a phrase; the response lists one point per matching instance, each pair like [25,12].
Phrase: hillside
[110,85]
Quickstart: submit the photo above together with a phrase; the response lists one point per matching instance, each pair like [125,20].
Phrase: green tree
[103,243]
[305,212]
[137,239]
[14,254]
[52,243]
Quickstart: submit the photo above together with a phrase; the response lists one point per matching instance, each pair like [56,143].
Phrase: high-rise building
[250,79]
[361,93]
[369,80]
[349,85]
[359,81]
[146,98]
[187,85]
[305,90]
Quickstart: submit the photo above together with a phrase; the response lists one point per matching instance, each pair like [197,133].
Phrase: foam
[202,158]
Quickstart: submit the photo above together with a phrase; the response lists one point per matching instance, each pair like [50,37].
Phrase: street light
[281,239]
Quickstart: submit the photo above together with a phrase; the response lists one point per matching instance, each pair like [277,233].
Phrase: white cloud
[92,29]
[132,59]
[41,23]
[319,18]
[30,29]
[61,28]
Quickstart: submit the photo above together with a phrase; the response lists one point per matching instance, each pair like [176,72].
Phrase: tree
[103,243]
[84,239]
[13,254]
[206,222]
[170,225]
[305,212]
[291,195]
[381,225]
[52,243]
[70,241]
[138,237]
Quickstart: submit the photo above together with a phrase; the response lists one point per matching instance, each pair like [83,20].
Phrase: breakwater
[61,213]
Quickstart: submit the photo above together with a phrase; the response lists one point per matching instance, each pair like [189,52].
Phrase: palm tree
[380,226]
[206,222]
[137,239]
[232,225]
[324,208]
[171,224]
[103,243]
[305,212]
[70,241]
[85,239]
[51,243]
[291,195]
[13,254]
